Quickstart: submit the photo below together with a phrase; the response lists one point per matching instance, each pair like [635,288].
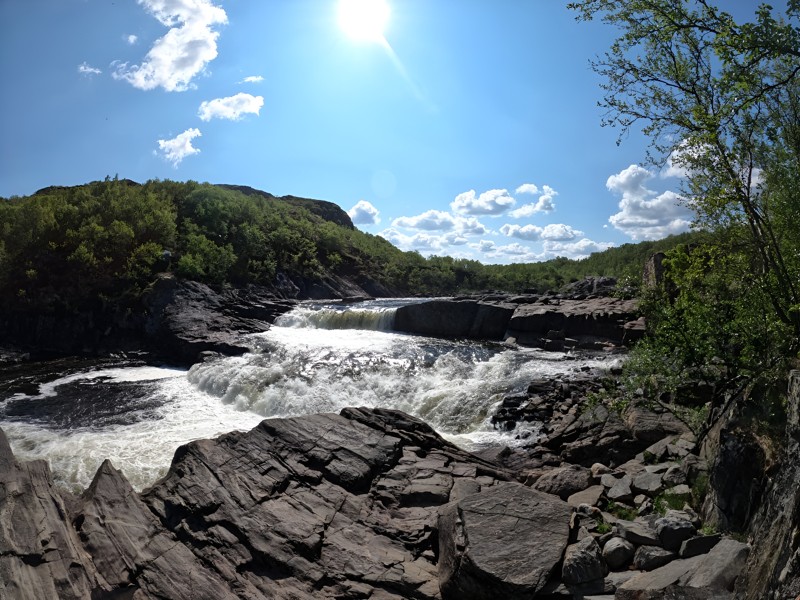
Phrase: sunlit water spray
[317,358]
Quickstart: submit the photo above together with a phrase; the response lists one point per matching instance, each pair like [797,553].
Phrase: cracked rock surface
[323,506]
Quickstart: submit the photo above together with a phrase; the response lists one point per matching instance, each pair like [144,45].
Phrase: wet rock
[467,318]
[503,542]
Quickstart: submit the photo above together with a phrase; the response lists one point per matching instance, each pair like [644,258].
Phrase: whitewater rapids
[317,358]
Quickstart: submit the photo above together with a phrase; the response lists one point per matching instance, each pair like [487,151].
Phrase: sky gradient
[469,129]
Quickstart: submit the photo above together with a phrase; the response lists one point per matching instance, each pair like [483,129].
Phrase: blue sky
[466,127]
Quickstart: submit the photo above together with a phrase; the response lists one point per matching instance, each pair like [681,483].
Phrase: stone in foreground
[501,543]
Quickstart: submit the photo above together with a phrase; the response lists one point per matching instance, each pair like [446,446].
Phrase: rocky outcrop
[41,555]
[552,323]
[187,318]
[466,318]
[365,504]
[774,569]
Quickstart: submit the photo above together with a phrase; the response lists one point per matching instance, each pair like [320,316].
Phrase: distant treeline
[105,242]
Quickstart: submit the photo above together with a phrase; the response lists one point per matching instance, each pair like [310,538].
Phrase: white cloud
[183,52]
[131,39]
[252,79]
[231,108]
[575,250]
[419,241]
[430,220]
[527,188]
[492,202]
[179,147]
[86,69]
[437,220]
[645,214]
[363,213]
[558,232]
[544,204]
[523,232]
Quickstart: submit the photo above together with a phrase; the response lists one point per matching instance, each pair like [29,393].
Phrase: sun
[364,20]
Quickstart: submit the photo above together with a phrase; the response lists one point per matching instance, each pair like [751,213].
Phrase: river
[320,357]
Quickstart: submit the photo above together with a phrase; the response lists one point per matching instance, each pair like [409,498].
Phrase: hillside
[103,243]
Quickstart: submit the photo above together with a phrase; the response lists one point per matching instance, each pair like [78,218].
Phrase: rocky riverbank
[374,504]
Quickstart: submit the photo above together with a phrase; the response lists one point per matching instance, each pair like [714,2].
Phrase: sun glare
[364,20]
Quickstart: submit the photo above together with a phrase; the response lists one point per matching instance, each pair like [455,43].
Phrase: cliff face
[774,569]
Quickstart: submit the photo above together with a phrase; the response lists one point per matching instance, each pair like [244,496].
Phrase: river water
[318,358]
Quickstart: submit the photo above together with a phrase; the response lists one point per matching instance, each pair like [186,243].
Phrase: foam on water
[295,368]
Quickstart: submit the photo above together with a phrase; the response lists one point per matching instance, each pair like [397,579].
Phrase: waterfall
[370,319]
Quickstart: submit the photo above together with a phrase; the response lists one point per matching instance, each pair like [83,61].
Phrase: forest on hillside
[105,242]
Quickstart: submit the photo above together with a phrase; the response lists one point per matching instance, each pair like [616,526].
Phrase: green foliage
[665,501]
[720,100]
[626,513]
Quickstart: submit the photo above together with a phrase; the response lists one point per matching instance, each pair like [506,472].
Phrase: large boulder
[501,543]
[466,318]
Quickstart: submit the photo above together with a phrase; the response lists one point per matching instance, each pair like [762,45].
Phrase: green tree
[719,100]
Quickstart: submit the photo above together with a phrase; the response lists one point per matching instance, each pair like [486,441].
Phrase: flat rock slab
[501,543]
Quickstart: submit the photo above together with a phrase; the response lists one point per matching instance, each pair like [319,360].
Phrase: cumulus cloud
[252,79]
[86,69]
[438,220]
[419,241]
[560,232]
[183,52]
[523,232]
[645,214]
[131,39]
[363,213]
[430,220]
[179,147]
[492,202]
[231,108]
[575,250]
[544,204]
[527,188]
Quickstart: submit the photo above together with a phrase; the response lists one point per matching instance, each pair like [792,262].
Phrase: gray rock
[648,558]
[657,584]
[618,553]
[564,481]
[455,318]
[674,476]
[40,553]
[710,576]
[718,569]
[503,542]
[637,533]
[583,562]
[673,531]
[324,506]
[621,490]
[701,544]
[647,483]
[590,496]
